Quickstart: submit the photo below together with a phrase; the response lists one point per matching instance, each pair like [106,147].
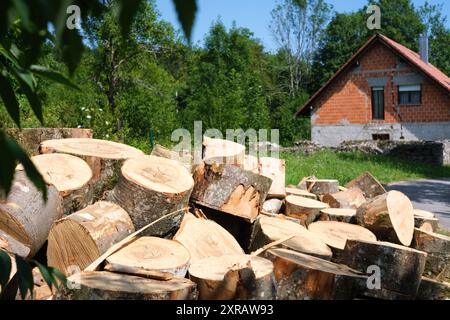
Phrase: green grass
[344,166]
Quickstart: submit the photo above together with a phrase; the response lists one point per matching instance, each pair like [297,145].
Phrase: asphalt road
[427,194]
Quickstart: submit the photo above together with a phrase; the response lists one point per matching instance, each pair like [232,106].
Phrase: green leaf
[46,274]
[10,100]
[7,165]
[53,75]
[58,274]
[128,9]
[5,268]
[33,99]
[186,11]
[25,277]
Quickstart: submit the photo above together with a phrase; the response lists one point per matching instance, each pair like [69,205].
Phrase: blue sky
[254,14]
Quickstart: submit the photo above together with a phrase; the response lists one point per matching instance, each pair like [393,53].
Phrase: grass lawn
[345,166]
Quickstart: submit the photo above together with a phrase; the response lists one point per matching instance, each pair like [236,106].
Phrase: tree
[296,27]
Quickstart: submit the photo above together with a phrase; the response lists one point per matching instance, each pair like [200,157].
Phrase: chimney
[423,47]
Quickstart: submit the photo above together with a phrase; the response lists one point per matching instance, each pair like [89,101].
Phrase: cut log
[80,238]
[150,254]
[303,277]
[70,175]
[390,216]
[242,277]
[205,238]
[25,216]
[31,138]
[431,289]
[274,169]
[401,267]
[425,220]
[272,205]
[223,152]
[351,198]
[302,183]
[438,248]
[300,193]
[104,157]
[368,184]
[322,186]
[335,234]
[13,246]
[184,158]
[281,216]
[103,285]
[269,229]
[336,214]
[230,189]
[150,187]
[304,209]
[251,163]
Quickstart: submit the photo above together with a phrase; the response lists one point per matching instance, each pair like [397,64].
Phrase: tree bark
[304,209]
[300,193]
[431,289]
[336,214]
[368,184]
[320,186]
[351,198]
[425,220]
[185,159]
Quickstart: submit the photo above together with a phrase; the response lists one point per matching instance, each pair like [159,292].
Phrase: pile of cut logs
[125,225]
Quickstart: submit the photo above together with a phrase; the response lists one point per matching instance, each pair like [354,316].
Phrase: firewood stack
[226,228]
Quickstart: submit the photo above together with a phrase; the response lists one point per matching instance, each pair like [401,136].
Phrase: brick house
[385,91]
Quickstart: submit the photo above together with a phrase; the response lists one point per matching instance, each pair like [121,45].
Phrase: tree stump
[70,175]
[13,246]
[335,234]
[25,216]
[351,198]
[300,193]
[274,169]
[401,267]
[223,152]
[303,277]
[437,246]
[150,254]
[228,277]
[80,238]
[337,214]
[230,189]
[425,220]
[390,216]
[150,187]
[103,285]
[270,229]
[431,289]
[368,184]
[103,157]
[184,158]
[272,205]
[304,209]
[322,186]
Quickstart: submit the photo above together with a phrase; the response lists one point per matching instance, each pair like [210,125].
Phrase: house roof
[412,57]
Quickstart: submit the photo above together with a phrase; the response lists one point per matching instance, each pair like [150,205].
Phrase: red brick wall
[348,98]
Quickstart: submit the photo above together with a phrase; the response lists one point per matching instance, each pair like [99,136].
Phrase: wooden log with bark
[221,151]
[251,163]
[300,193]
[270,229]
[230,189]
[335,234]
[103,157]
[302,184]
[70,175]
[150,254]
[425,220]
[272,205]
[351,198]
[322,186]
[150,187]
[80,238]
[204,238]
[274,169]
[368,184]
[31,138]
[390,216]
[103,285]
[401,267]
[437,246]
[431,289]
[13,246]
[303,277]
[304,209]
[183,157]
[337,214]
[241,277]
[25,216]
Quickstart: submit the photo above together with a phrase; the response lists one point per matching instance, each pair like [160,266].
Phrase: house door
[378,103]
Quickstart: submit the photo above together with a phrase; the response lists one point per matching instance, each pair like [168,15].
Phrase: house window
[378,103]
[382,136]
[411,94]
